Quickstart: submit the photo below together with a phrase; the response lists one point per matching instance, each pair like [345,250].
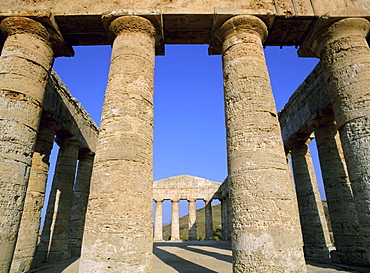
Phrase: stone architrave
[54,239]
[266,230]
[30,224]
[118,234]
[192,224]
[339,196]
[175,225]
[315,230]
[158,221]
[80,198]
[26,59]
[345,57]
[208,219]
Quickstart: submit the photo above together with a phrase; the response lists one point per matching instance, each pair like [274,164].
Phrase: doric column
[315,230]
[342,211]
[117,240]
[208,219]
[25,63]
[30,224]
[81,192]
[192,219]
[263,239]
[225,218]
[158,229]
[345,58]
[175,226]
[54,238]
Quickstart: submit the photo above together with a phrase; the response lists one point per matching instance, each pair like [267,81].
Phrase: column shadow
[179,264]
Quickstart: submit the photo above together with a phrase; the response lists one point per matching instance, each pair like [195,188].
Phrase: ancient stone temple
[107,219]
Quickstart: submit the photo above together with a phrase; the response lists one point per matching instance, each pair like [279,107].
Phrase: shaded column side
[81,192]
[315,230]
[338,190]
[208,219]
[265,223]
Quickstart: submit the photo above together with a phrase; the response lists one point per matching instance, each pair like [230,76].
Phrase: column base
[350,256]
[58,256]
[317,252]
[21,265]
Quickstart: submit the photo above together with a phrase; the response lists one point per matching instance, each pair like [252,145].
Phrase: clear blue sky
[189,130]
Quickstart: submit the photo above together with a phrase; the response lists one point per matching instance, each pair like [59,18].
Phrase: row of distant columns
[266,233]
[192,227]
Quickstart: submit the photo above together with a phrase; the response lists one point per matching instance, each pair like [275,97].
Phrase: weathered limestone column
[80,198]
[158,221]
[118,233]
[342,210]
[265,223]
[175,226]
[54,238]
[192,219]
[208,219]
[225,218]
[315,230]
[345,58]
[25,64]
[30,223]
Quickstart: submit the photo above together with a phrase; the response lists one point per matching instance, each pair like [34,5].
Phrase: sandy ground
[196,257]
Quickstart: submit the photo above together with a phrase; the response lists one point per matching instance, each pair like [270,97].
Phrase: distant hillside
[216,213]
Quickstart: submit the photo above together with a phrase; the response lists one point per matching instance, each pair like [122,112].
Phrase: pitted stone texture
[81,191]
[338,190]
[315,230]
[265,223]
[118,231]
[30,224]
[345,57]
[54,238]
[25,63]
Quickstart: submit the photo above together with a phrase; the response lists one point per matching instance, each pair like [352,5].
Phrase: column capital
[175,200]
[123,21]
[158,200]
[86,155]
[192,200]
[233,32]
[49,34]
[326,32]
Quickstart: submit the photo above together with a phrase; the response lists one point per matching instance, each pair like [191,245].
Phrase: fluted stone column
[341,206]
[175,226]
[315,230]
[192,219]
[208,219]
[266,230]
[345,58]
[81,192]
[225,218]
[158,221]
[54,238]
[118,231]
[30,224]
[25,64]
